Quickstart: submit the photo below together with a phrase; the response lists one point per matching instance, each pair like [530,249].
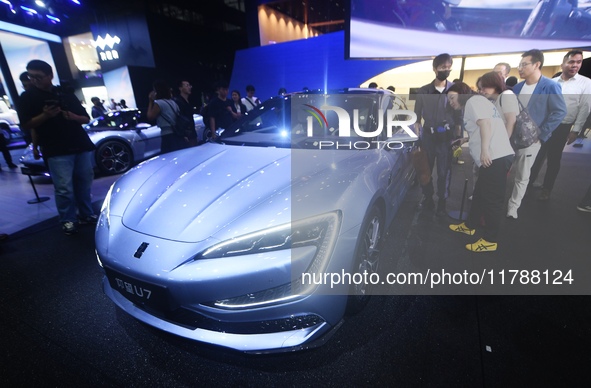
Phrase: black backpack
[184,127]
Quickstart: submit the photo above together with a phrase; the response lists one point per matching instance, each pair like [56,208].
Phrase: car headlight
[320,231]
[106,208]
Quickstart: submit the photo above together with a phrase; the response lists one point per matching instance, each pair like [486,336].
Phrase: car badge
[140,251]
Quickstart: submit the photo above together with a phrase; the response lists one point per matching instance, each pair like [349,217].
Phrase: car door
[147,140]
[398,149]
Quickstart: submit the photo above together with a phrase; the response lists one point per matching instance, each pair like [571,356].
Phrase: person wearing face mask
[436,126]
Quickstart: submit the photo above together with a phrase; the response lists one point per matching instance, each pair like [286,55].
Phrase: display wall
[118,84]
[19,50]
[316,63]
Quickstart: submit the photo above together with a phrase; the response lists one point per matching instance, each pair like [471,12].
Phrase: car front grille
[193,320]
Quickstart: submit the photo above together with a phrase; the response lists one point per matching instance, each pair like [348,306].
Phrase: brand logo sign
[393,120]
[141,249]
[108,43]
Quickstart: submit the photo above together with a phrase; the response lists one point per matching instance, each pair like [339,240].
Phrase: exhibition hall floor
[60,330]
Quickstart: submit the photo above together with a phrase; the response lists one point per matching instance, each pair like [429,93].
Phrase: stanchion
[459,215]
[28,172]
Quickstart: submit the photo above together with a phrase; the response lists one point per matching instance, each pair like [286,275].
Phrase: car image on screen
[224,244]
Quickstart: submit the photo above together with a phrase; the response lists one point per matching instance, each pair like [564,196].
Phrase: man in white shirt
[250,101]
[576,90]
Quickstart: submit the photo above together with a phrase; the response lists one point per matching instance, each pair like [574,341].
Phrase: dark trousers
[489,198]
[4,149]
[552,151]
[441,152]
[172,142]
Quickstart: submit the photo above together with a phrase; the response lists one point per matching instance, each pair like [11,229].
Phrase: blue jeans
[72,177]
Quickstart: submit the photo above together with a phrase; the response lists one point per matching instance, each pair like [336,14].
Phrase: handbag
[526,132]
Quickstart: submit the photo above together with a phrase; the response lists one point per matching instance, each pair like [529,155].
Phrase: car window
[266,126]
[115,120]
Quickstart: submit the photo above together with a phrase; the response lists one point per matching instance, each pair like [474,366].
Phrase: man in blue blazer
[544,101]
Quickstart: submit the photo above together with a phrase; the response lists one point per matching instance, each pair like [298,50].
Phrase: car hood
[191,195]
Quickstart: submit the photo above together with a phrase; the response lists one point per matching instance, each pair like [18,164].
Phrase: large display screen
[397,29]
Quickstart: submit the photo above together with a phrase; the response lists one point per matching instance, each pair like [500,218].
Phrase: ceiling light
[53,19]
[28,10]
[9,4]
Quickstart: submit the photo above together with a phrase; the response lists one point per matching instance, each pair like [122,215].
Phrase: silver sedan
[230,244]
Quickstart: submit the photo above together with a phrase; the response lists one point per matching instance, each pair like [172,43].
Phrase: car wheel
[367,258]
[113,157]
[206,135]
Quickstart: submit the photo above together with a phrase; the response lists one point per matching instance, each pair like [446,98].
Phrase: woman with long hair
[491,150]
[237,108]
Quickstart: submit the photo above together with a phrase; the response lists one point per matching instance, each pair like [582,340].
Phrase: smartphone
[52,102]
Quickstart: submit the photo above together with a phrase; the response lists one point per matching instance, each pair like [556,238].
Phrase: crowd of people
[98,106]
[445,111]
[51,118]
[491,116]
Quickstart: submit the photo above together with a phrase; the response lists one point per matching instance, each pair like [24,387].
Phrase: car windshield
[307,120]
[114,120]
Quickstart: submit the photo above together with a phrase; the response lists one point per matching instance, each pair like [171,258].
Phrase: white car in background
[121,141]
[9,123]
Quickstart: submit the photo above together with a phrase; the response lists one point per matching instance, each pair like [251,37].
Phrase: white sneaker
[69,228]
[512,214]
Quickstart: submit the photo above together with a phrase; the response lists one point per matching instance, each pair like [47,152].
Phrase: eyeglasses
[36,77]
[522,65]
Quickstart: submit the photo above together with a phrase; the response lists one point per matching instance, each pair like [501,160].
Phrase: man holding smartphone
[55,118]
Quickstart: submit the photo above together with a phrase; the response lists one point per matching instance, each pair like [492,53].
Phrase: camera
[61,91]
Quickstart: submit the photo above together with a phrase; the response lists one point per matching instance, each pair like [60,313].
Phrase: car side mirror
[142,126]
